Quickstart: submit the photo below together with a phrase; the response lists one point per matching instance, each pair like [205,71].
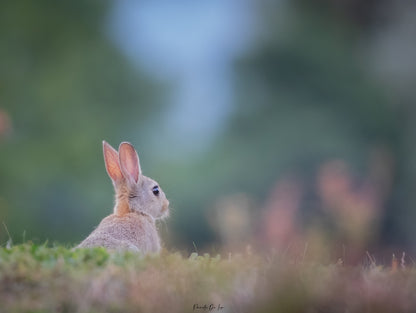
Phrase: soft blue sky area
[189,44]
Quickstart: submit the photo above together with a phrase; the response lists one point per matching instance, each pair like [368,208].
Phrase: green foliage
[66,87]
[37,278]
[303,97]
[302,91]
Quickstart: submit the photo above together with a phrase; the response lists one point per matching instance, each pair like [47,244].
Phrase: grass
[36,278]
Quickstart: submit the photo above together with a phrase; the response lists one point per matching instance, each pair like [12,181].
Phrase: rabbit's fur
[139,202]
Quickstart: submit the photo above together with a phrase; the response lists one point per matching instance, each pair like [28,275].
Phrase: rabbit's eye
[132,196]
[155,190]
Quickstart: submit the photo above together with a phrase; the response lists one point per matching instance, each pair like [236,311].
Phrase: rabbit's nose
[165,205]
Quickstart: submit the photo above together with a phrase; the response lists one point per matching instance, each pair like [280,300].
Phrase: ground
[37,278]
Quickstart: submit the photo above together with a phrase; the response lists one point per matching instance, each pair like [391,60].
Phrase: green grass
[36,278]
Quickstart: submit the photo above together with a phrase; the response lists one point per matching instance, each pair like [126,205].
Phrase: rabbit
[139,202]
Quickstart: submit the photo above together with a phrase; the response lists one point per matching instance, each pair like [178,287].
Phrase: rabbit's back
[133,231]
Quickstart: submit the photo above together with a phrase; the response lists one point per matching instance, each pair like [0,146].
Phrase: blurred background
[279,124]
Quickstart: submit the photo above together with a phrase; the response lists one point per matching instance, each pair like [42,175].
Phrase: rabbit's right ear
[111,163]
[129,163]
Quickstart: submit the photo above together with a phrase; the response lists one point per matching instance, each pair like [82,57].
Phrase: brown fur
[132,225]
[132,231]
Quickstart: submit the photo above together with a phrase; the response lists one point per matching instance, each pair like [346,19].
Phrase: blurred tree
[307,97]
[303,97]
[65,87]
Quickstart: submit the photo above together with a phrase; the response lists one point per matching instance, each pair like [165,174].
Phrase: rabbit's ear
[129,162]
[112,163]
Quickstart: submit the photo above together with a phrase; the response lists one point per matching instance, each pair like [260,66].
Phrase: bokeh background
[279,124]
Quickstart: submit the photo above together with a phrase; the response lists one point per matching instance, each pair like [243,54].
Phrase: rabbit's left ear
[112,163]
[129,162]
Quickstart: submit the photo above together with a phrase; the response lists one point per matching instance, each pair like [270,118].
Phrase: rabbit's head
[134,191]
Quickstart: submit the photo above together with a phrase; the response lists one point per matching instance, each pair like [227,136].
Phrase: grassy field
[36,278]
